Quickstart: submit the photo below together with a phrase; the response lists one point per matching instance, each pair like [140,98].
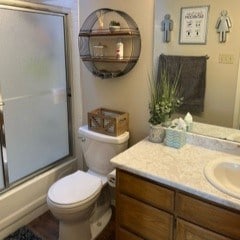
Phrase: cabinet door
[188,231]
[143,220]
[145,191]
[123,234]
[209,216]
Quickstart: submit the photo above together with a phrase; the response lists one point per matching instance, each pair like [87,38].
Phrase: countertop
[181,168]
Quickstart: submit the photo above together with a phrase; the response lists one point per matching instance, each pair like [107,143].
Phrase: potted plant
[165,98]
[114,26]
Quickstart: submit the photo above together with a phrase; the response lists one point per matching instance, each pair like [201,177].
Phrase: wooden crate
[106,121]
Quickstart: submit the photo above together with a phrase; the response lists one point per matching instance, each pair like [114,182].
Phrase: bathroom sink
[224,175]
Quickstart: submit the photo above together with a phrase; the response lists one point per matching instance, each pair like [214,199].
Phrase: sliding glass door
[33,85]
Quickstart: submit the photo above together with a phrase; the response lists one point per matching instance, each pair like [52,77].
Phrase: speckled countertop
[179,168]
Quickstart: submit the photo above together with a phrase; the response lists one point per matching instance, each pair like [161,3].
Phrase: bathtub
[25,202]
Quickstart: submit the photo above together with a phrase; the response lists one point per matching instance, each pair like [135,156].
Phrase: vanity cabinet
[147,210]
[188,231]
[208,215]
[144,209]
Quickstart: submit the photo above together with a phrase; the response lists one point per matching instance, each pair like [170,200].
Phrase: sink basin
[224,175]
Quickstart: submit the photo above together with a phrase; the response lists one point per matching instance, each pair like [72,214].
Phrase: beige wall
[130,92]
[221,78]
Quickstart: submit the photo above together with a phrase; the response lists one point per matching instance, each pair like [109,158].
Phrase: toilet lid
[74,188]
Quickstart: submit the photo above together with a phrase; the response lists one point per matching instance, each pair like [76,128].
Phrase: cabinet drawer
[145,190]
[143,220]
[123,234]
[188,231]
[208,215]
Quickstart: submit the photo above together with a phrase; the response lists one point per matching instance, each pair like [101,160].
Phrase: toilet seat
[75,188]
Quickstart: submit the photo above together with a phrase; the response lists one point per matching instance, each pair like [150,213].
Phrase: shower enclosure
[34,91]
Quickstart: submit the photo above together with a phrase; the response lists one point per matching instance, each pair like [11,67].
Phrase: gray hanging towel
[192,79]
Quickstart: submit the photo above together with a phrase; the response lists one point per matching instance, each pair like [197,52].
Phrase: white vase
[156,133]
[114,28]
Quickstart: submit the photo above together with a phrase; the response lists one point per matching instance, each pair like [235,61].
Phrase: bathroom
[129,92]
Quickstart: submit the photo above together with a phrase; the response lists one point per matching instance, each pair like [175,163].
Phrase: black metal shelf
[107,66]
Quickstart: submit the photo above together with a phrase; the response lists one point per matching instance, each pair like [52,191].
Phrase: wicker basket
[106,121]
[175,138]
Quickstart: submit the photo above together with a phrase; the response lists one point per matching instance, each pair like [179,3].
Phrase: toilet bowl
[81,201]
[73,204]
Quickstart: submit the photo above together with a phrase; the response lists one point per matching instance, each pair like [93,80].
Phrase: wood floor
[46,226]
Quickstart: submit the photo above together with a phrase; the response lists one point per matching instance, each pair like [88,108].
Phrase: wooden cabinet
[143,219]
[147,210]
[145,191]
[188,231]
[124,234]
[208,215]
[144,208]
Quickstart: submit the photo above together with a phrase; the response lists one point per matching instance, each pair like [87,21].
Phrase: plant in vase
[165,98]
[114,26]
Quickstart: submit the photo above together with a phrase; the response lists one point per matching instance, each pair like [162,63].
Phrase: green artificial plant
[114,23]
[165,97]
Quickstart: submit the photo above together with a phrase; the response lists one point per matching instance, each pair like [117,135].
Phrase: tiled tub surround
[182,168]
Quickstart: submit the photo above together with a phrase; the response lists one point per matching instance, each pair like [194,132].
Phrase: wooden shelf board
[106,32]
[108,59]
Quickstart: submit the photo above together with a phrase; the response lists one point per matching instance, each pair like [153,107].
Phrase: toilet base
[86,230]
[75,231]
[100,224]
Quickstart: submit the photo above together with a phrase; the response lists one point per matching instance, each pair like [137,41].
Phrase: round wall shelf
[99,43]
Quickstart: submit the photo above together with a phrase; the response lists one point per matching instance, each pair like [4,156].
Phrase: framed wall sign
[193,28]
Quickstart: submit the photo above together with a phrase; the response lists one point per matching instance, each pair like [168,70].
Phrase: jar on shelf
[98,50]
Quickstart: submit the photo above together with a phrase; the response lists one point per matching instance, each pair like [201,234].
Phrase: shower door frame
[49,10]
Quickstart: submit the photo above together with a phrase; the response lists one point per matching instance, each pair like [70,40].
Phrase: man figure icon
[167,26]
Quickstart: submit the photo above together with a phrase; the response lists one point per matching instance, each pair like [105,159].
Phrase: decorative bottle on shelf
[119,49]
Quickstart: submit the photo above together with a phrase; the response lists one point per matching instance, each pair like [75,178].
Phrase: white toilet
[81,201]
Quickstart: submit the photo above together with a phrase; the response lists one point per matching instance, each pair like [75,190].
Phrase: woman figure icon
[223,26]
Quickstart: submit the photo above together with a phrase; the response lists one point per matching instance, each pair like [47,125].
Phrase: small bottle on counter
[189,121]
[119,49]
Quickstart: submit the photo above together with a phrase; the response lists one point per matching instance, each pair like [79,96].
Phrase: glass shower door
[33,90]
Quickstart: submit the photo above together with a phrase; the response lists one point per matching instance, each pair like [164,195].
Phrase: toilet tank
[98,149]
